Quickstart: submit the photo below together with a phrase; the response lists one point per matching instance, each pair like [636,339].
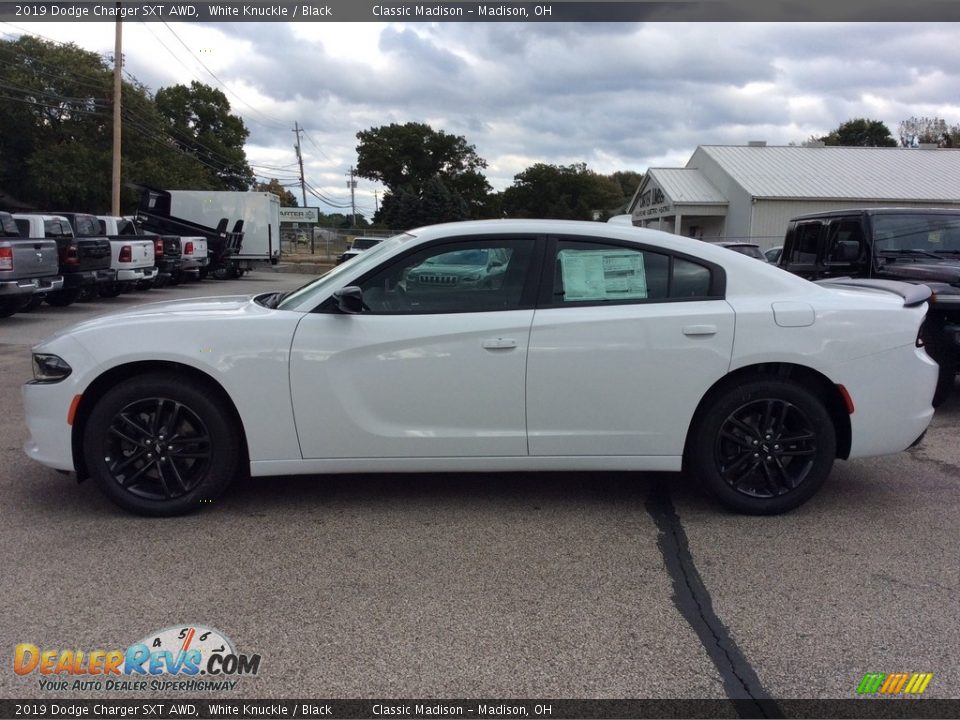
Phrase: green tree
[563,192]
[629,181]
[56,147]
[55,118]
[410,159]
[201,125]
[287,198]
[860,132]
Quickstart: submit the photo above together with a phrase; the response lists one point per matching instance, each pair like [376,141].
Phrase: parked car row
[62,258]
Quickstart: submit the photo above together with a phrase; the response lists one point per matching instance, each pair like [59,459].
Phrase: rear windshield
[364,243]
[8,228]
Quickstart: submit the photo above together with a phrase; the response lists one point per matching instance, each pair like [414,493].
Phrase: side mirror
[349,299]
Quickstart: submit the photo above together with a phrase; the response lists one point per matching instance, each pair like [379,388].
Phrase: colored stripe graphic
[894,683]
[871,683]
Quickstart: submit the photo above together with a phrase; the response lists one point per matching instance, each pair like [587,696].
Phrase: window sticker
[602,275]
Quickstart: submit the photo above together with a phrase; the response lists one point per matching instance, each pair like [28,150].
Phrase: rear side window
[57,228]
[601,273]
[804,249]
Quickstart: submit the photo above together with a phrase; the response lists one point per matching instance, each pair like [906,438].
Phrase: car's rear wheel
[156,445]
[763,447]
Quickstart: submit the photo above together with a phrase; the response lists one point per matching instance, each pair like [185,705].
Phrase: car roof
[877,211]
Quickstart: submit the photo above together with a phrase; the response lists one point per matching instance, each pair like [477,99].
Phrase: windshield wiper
[908,251]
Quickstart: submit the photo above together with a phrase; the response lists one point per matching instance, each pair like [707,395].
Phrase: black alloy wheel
[159,445]
[763,447]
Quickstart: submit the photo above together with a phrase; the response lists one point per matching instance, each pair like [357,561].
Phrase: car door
[624,344]
[435,364]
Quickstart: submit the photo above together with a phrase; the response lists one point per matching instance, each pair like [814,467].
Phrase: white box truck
[259,212]
[254,214]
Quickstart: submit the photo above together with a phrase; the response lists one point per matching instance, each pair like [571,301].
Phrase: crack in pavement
[692,600]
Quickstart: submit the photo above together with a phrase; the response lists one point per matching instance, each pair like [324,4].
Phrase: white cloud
[616,96]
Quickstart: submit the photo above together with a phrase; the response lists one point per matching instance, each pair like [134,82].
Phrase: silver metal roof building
[750,192]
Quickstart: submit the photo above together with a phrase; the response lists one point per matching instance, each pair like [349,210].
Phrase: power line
[276,123]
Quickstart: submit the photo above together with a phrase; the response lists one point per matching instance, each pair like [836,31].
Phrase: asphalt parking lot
[538,585]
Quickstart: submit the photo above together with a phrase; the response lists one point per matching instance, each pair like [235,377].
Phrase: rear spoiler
[912,294]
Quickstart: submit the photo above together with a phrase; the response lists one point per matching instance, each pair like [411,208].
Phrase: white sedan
[559,346]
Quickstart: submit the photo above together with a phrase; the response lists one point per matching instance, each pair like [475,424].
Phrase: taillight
[188,249]
[126,254]
[158,247]
[6,258]
[71,255]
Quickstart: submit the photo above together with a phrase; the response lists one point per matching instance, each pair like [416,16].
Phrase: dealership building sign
[652,202]
[299,215]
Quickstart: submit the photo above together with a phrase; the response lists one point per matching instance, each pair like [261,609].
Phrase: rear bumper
[28,286]
[136,274]
[88,277]
[892,402]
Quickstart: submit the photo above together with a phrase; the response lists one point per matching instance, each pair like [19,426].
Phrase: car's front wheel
[156,445]
[763,447]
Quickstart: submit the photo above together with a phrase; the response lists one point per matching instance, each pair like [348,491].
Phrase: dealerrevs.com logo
[184,657]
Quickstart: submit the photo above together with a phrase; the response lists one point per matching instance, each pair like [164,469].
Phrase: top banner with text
[555,11]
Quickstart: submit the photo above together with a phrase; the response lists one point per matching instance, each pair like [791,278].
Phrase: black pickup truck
[918,245]
[84,262]
[29,267]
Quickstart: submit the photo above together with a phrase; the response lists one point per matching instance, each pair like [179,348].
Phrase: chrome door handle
[700,330]
[499,343]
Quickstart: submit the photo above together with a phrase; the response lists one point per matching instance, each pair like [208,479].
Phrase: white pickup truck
[132,255]
[196,259]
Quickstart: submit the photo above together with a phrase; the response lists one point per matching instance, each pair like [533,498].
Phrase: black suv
[918,245]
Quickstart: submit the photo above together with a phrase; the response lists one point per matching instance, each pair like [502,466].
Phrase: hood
[932,270]
[209,307]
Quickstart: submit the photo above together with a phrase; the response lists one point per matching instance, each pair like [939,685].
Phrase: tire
[743,466]
[136,461]
[946,358]
[62,298]
[175,278]
[110,290]
[88,293]
[10,306]
[33,303]
[203,273]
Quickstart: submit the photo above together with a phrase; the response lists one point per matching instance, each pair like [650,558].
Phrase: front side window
[452,277]
[846,242]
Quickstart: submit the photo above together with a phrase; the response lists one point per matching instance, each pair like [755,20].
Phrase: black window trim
[718,276]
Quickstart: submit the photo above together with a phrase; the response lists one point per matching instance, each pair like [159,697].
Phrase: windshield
[927,232]
[302,297]
[460,257]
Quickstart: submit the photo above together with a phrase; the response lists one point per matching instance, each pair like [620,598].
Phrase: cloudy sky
[615,96]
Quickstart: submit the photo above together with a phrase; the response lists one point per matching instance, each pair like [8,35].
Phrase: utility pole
[117,91]
[352,184]
[376,201]
[303,185]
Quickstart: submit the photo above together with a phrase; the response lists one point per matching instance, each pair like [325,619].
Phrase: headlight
[50,368]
